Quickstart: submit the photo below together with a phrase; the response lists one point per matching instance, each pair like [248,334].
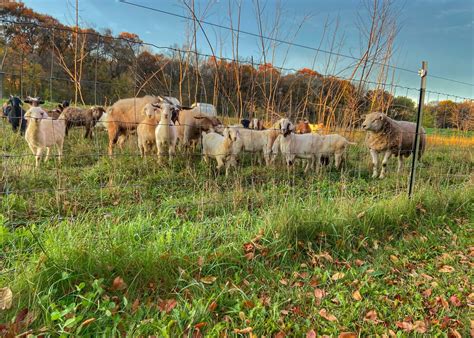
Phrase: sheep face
[286,127]
[150,110]
[35,114]
[231,133]
[374,121]
[97,112]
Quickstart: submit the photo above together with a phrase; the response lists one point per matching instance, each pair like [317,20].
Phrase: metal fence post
[422,72]
[2,75]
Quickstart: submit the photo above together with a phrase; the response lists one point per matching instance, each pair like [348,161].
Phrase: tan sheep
[146,129]
[191,123]
[43,132]
[390,137]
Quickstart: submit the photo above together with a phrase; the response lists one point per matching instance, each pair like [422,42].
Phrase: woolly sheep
[301,146]
[146,129]
[334,145]
[219,147]
[165,132]
[76,116]
[44,132]
[390,137]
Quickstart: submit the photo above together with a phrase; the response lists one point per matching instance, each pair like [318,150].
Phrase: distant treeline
[43,57]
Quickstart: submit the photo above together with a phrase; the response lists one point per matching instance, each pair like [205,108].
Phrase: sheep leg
[386,157]
[375,160]
[400,163]
[220,163]
[227,166]
[38,156]
[60,151]
[48,150]
[171,151]
[337,160]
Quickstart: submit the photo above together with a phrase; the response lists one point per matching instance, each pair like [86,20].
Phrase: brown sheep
[191,123]
[303,127]
[76,116]
[125,115]
[385,135]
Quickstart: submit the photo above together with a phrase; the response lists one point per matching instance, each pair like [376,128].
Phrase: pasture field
[113,246]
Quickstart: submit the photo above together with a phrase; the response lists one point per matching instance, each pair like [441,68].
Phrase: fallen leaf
[200,325]
[6,298]
[243,331]
[249,256]
[356,295]
[420,326]
[427,293]
[446,269]
[425,276]
[249,304]
[443,302]
[208,279]
[167,305]
[212,307]
[405,326]
[337,276]
[280,334]
[394,259]
[284,281]
[311,334]
[319,293]
[359,262]
[323,313]
[88,321]
[118,284]
[347,335]
[371,316]
[361,214]
[200,261]
[453,333]
[454,300]
[135,305]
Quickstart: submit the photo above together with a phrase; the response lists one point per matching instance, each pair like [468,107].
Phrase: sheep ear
[160,98]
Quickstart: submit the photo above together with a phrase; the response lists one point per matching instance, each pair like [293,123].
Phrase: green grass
[244,251]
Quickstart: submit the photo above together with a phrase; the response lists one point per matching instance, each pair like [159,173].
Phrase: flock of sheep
[161,123]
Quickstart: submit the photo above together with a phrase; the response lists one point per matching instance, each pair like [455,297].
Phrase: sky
[440,32]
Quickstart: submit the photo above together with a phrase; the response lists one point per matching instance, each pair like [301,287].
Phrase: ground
[123,245]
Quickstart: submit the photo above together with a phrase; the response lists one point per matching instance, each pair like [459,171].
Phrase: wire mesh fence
[91,185]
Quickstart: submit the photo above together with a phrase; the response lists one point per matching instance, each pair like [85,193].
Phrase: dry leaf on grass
[167,305]
[323,313]
[347,335]
[356,295]
[212,307]
[118,284]
[405,326]
[446,269]
[311,334]
[372,317]
[208,279]
[243,331]
[319,293]
[6,298]
[420,326]
[454,300]
[88,321]
[337,276]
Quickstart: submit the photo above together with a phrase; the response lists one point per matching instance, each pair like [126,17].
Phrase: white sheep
[297,146]
[44,132]
[165,132]
[219,147]
[334,145]
[146,129]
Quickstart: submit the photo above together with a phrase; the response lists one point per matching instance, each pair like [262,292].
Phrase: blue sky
[438,31]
